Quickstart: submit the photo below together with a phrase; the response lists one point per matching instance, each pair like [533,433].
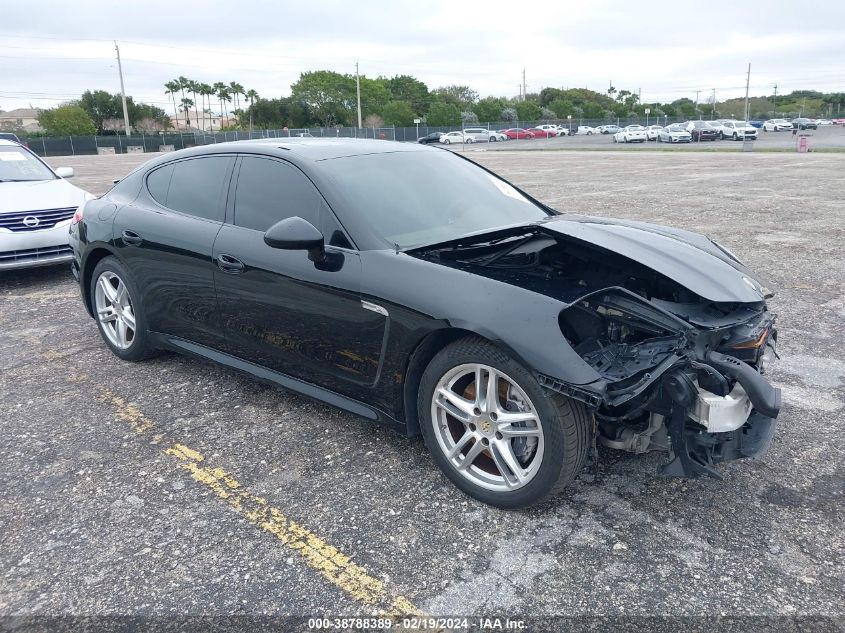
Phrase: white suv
[738,130]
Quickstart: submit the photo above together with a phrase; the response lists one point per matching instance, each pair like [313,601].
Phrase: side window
[269,191]
[158,182]
[196,187]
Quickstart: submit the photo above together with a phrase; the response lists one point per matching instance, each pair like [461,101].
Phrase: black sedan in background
[804,124]
[433,137]
[412,287]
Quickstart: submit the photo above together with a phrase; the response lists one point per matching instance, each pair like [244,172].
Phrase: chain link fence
[169,141]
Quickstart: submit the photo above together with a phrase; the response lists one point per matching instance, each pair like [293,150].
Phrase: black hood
[690,259]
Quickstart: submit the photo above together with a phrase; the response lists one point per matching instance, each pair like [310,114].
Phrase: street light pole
[122,91]
[747,83]
[358,91]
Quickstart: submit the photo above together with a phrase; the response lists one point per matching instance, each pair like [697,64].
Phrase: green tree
[547,95]
[398,113]
[410,90]
[562,108]
[684,107]
[101,105]
[67,120]
[140,111]
[463,97]
[489,109]
[375,96]
[528,110]
[330,96]
[443,113]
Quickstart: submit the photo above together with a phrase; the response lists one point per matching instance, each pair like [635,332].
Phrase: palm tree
[206,91]
[237,90]
[193,88]
[219,90]
[171,88]
[186,108]
[253,97]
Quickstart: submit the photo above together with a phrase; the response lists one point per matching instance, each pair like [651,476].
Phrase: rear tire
[548,444]
[117,308]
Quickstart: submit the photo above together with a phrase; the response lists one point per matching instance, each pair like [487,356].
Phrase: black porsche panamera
[410,286]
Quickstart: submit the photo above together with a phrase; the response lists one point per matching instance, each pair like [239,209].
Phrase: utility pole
[524,85]
[358,91]
[714,104]
[122,91]
[696,102]
[747,84]
[776,100]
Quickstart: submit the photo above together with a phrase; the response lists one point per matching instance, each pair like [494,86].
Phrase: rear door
[278,308]
[166,238]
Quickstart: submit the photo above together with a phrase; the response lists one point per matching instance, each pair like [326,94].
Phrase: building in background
[203,122]
[20,120]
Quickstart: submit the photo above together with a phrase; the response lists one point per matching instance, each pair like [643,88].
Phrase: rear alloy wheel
[494,431]
[119,319]
[446,141]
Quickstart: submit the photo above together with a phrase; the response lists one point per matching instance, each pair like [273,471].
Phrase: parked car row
[483,135]
[673,133]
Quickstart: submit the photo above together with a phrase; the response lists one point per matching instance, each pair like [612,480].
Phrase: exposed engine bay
[672,363]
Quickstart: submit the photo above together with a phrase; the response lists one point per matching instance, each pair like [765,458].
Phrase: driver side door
[278,308]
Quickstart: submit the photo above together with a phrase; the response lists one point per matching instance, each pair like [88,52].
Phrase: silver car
[482,135]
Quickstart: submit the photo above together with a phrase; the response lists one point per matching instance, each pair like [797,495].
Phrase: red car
[517,132]
[538,133]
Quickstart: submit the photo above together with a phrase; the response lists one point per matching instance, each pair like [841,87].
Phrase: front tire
[118,311]
[509,446]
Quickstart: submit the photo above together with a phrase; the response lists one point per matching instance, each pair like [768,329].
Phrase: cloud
[665,49]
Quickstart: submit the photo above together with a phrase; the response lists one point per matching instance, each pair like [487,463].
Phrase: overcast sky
[53,51]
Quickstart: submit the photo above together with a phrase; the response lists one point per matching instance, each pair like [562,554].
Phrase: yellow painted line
[331,563]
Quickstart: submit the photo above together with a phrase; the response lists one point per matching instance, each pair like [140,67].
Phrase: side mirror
[64,172]
[296,234]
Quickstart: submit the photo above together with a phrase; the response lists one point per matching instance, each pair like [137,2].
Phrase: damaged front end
[689,372]
[675,328]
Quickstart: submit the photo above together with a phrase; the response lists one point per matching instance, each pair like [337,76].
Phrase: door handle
[229,264]
[131,239]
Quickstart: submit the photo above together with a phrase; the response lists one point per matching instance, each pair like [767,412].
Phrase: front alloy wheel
[487,427]
[494,431]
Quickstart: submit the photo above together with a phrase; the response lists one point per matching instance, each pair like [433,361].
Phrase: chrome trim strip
[374,308]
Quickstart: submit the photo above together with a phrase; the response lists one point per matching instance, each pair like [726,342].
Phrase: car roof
[8,142]
[303,149]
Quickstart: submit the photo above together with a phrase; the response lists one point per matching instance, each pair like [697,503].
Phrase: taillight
[77,217]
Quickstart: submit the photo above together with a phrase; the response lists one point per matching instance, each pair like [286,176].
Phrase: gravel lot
[99,519]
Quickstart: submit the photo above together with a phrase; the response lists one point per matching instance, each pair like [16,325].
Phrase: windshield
[635,128]
[18,165]
[415,198]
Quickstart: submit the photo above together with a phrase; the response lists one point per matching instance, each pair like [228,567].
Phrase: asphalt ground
[173,487]
[828,138]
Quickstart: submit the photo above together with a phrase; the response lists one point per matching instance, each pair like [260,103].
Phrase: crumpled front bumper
[696,451]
